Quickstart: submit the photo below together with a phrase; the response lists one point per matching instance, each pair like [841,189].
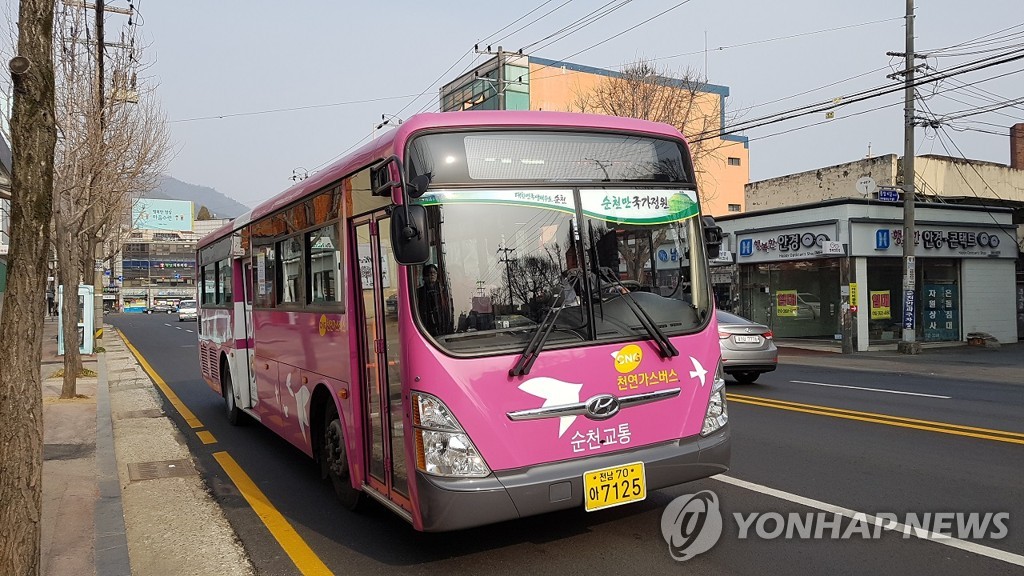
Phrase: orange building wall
[719,184]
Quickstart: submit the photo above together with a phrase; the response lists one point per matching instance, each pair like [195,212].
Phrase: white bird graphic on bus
[555,393]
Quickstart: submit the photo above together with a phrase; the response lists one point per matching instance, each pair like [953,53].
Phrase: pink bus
[479,316]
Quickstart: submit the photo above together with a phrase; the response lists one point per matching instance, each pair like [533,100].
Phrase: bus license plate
[614,486]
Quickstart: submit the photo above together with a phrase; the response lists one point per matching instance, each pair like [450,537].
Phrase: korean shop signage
[871,239]
[786,244]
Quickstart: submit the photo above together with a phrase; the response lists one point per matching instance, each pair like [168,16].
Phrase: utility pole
[501,79]
[505,250]
[97,281]
[908,345]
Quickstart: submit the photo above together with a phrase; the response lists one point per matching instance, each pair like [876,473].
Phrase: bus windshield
[503,258]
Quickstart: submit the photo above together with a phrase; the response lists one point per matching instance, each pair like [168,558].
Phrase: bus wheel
[235,415]
[334,460]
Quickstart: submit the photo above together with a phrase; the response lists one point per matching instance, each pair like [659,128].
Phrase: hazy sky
[238,58]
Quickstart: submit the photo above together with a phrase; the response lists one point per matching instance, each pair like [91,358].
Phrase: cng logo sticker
[627,359]
[328,325]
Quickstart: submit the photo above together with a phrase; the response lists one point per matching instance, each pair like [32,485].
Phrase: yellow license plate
[614,486]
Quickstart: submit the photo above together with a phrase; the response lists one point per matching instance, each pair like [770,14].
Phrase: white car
[188,310]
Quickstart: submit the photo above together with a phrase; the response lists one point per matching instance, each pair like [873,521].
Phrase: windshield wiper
[668,350]
[532,351]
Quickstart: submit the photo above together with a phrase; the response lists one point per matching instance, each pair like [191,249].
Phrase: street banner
[880,305]
[785,304]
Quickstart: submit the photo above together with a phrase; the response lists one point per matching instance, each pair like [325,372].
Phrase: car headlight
[717,413]
[442,447]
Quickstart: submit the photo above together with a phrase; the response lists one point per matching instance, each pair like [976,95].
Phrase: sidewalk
[1004,364]
[120,493]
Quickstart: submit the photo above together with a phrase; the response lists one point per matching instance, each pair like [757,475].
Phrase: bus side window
[324,265]
[224,286]
[265,270]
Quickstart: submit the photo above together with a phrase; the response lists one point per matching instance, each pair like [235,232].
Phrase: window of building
[733,161]
[734,207]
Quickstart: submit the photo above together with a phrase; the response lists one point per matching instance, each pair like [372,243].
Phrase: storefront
[834,271]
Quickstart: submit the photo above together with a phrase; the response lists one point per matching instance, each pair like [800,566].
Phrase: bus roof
[393,142]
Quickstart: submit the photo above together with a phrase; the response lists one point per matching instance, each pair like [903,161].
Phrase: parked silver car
[747,347]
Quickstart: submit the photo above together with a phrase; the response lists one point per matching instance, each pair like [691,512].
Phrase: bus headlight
[442,447]
[718,413]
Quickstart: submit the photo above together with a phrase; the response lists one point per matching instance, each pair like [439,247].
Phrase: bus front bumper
[453,504]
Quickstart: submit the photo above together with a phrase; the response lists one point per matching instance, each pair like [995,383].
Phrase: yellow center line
[187,414]
[301,554]
[926,425]
[206,436]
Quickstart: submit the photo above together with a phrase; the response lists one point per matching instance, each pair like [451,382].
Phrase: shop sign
[833,248]
[786,304]
[792,244]
[881,308]
[942,241]
[940,318]
[908,309]
[854,298]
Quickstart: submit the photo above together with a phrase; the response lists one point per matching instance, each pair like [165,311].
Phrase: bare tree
[21,332]
[642,91]
[109,153]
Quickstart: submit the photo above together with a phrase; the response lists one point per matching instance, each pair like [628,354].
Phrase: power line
[861,96]
[534,21]
[610,38]
[578,25]
[938,133]
[293,109]
[972,42]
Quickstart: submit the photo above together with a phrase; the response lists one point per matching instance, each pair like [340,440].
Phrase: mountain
[220,205]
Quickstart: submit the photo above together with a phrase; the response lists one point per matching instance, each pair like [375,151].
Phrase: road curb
[111,540]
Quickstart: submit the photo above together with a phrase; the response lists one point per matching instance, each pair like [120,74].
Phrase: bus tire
[234,414]
[334,460]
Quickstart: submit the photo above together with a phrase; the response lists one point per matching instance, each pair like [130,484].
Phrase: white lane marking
[166,324]
[921,533]
[178,328]
[871,389]
[189,331]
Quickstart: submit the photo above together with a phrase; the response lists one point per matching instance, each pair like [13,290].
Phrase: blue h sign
[746,247]
[881,239]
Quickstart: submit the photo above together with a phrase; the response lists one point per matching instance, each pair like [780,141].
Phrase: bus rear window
[535,156]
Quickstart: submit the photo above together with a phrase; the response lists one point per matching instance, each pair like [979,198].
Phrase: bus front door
[380,351]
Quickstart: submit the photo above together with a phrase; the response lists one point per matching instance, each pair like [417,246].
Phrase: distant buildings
[156,267]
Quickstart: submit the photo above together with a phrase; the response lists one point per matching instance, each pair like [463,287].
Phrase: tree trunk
[70,271]
[33,137]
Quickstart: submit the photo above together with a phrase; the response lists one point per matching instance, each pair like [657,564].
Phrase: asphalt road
[785,451]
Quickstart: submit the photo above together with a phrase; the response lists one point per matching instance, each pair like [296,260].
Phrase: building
[819,254]
[532,83]
[156,267]
[833,270]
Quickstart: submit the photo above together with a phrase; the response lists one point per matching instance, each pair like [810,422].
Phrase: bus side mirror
[409,235]
[712,237]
